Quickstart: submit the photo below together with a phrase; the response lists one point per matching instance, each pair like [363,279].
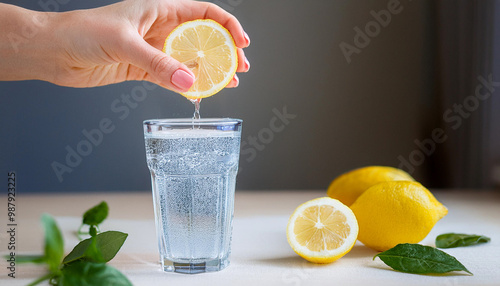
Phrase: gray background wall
[348,115]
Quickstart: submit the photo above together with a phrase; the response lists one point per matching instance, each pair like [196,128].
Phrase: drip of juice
[196,103]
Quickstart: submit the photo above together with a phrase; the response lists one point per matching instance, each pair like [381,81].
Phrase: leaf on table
[107,244]
[54,244]
[450,240]
[89,273]
[420,259]
[96,214]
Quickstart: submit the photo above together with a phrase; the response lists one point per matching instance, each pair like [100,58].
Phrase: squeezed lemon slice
[208,50]
[322,230]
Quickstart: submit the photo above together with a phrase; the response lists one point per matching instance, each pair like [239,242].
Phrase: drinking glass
[193,165]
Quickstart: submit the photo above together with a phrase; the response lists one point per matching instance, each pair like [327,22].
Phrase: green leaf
[78,251]
[420,259]
[96,214]
[54,244]
[92,253]
[107,244]
[110,242]
[450,240]
[85,273]
[29,258]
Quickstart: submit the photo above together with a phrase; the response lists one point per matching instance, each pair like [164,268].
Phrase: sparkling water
[193,176]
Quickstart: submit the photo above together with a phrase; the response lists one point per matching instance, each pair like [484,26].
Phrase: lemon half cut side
[208,50]
[322,230]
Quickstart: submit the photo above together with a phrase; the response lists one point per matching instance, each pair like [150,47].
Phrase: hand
[123,41]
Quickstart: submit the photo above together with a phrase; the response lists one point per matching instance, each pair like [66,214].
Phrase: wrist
[27,45]
[41,51]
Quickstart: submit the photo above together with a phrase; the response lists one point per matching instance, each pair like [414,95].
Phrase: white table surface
[260,252]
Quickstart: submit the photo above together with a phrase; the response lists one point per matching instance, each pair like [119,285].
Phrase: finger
[137,73]
[243,63]
[169,72]
[234,82]
[211,11]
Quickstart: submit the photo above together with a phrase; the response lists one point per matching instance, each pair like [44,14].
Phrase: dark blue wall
[348,115]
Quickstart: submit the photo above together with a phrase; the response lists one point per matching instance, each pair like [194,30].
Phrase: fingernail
[237,80]
[182,80]
[247,64]
[247,38]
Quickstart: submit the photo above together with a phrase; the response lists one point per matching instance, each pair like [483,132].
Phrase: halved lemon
[208,49]
[322,230]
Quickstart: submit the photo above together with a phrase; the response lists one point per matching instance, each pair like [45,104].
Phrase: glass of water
[193,165]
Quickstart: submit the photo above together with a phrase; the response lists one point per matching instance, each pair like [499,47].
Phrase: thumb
[166,70]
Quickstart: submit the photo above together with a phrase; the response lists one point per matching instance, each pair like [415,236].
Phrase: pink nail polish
[247,64]
[182,79]
[237,80]
[247,38]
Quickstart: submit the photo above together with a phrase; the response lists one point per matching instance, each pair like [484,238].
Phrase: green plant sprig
[86,263]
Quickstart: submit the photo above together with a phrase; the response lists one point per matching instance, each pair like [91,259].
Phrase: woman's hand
[119,42]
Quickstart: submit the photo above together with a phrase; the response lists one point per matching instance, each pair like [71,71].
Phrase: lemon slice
[322,230]
[208,50]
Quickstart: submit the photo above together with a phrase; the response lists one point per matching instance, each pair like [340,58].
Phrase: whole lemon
[349,186]
[396,212]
